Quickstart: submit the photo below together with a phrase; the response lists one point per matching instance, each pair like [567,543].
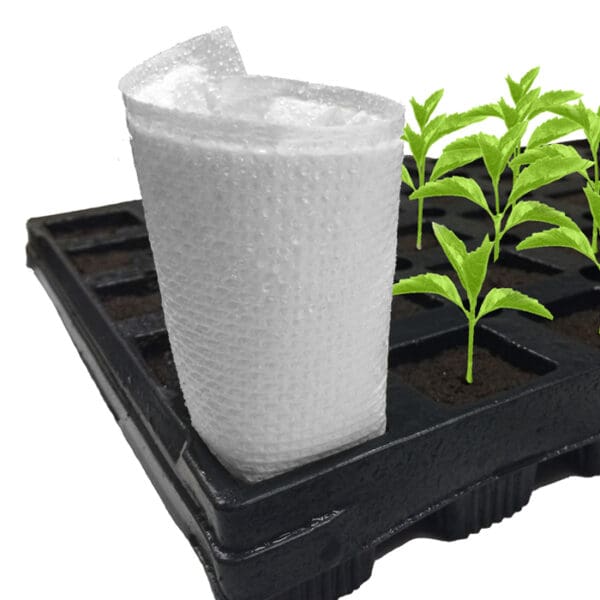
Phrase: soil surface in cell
[582,325]
[407,239]
[105,226]
[161,364]
[91,262]
[505,274]
[408,305]
[125,306]
[442,376]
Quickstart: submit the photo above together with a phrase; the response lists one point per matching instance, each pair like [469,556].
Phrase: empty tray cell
[435,209]
[436,366]
[411,304]
[578,316]
[511,270]
[129,254]
[156,352]
[131,298]
[99,225]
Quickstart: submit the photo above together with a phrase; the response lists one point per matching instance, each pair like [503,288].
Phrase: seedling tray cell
[445,468]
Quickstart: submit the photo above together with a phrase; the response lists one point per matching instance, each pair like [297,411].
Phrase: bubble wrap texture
[275,257]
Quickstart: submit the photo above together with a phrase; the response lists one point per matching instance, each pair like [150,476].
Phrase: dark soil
[90,262]
[442,377]
[97,262]
[407,238]
[505,273]
[125,306]
[99,226]
[409,304]
[582,325]
[159,359]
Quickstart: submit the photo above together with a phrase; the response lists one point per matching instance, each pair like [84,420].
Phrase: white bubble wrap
[275,251]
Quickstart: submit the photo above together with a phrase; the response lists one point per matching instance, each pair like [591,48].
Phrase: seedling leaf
[415,141]
[488,110]
[575,112]
[461,187]
[418,111]
[548,101]
[454,249]
[434,131]
[593,131]
[497,152]
[490,151]
[551,130]
[507,298]
[531,210]
[406,178]
[456,154]
[424,111]
[476,265]
[444,125]
[525,105]
[515,89]
[531,155]
[432,102]
[545,171]
[593,199]
[429,283]
[460,120]
[509,142]
[560,237]
[509,114]
[528,79]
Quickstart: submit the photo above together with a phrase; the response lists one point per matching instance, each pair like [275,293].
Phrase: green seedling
[471,269]
[573,118]
[569,235]
[431,130]
[527,103]
[543,165]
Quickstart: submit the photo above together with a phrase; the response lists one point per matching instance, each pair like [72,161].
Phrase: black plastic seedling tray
[441,470]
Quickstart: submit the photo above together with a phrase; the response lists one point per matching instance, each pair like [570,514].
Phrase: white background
[78,517]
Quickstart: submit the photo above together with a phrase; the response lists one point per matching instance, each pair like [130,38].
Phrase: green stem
[497,220]
[595,224]
[421,202]
[496,196]
[470,347]
[420,223]
[497,239]
[515,172]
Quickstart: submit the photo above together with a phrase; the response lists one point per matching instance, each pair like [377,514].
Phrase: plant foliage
[471,269]
[430,130]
